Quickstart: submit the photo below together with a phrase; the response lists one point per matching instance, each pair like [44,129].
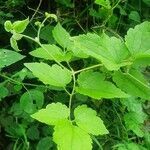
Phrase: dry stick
[37,9]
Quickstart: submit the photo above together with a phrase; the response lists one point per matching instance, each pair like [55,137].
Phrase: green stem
[88,68]
[14,81]
[36,40]
[116,4]
[73,89]
[39,30]
[97,142]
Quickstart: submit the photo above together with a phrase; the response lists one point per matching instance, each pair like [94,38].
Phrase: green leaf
[8,57]
[111,51]
[52,52]
[138,39]
[20,26]
[134,105]
[52,114]
[142,60]
[92,84]
[104,3]
[130,146]
[14,44]
[8,26]
[3,92]
[45,142]
[31,101]
[87,120]
[146,2]
[53,75]
[33,133]
[61,36]
[133,122]
[70,137]
[134,15]
[66,3]
[131,85]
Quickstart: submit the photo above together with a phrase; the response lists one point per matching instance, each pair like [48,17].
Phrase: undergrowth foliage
[113,71]
[120,58]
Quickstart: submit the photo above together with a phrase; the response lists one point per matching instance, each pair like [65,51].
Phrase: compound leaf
[92,84]
[52,114]
[52,75]
[87,120]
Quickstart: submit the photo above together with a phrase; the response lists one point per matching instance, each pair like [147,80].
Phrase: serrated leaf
[138,39]
[74,138]
[61,36]
[133,122]
[92,84]
[8,57]
[131,85]
[111,51]
[31,100]
[20,26]
[87,119]
[52,114]
[52,52]
[52,75]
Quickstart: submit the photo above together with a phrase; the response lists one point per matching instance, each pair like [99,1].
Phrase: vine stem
[39,30]
[36,40]
[88,68]
[73,89]
[17,82]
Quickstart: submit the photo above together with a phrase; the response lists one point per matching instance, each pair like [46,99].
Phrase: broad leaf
[133,122]
[52,114]
[87,119]
[45,142]
[138,39]
[70,137]
[61,36]
[53,75]
[8,57]
[104,3]
[131,85]
[142,60]
[3,92]
[31,101]
[20,26]
[51,52]
[92,84]
[111,51]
